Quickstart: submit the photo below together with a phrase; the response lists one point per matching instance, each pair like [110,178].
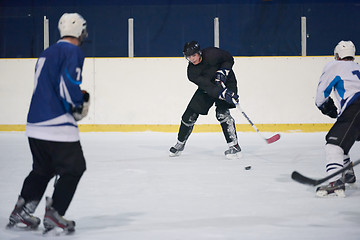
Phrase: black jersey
[203,74]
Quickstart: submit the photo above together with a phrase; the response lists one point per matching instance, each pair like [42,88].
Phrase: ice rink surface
[132,189]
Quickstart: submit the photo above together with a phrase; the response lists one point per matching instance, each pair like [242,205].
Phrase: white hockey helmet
[72,25]
[344,49]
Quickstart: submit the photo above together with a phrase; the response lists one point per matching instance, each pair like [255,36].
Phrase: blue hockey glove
[221,76]
[328,108]
[229,96]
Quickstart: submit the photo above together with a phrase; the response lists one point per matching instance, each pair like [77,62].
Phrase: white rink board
[273,90]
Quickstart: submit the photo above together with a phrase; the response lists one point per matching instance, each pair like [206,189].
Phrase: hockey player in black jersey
[211,70]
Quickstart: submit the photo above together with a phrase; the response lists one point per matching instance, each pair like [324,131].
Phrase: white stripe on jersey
[39,65]
[64,92]
[61,129]
[63,119]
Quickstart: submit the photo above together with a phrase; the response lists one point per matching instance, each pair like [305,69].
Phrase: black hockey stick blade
[298,177]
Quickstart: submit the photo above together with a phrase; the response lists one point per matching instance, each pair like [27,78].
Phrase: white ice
[132,190]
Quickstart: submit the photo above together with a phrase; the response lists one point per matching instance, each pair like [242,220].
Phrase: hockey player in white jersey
[53,135]
[343,77]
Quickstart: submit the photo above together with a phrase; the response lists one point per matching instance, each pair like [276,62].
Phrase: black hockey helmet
[190,48]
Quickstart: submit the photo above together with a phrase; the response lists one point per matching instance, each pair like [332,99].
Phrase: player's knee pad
[224,116]
[189,117]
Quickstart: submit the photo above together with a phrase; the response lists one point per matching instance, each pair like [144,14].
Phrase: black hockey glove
[221,76]
[328,108]
[229,96]
[81,111]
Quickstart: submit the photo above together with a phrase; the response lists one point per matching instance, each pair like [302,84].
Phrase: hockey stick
[268,140]
[298,177]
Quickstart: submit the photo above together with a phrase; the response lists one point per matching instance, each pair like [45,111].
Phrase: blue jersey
[58,75]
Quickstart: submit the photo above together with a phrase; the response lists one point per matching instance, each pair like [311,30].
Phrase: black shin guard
[188,120]
[227,123]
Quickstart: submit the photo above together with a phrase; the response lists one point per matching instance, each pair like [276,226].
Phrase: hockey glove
[328,108]
[229,96]
[221,76]
[81,111]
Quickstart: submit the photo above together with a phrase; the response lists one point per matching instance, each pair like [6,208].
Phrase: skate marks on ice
[86,227]
[95,223]
[91,224]
[19,233]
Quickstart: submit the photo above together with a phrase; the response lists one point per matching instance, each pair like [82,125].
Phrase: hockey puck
[247,167]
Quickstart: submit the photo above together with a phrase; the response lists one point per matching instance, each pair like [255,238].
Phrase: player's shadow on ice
[105,221]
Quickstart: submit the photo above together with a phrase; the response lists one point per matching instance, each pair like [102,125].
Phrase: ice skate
[234,152]
[337,187]
[349,176]
[53,220]
[177,149]
[21,215]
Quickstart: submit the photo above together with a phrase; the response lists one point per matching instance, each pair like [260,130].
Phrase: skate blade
[56,231]
[340,193]
[336,193]
[20,227]
[321,193]
[175,154]
[234,156]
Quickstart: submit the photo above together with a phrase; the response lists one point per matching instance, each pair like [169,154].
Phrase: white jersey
[344,78]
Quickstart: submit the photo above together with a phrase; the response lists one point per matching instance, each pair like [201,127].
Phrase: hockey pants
[64,159]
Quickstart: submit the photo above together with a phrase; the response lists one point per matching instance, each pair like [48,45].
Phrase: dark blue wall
[247,28]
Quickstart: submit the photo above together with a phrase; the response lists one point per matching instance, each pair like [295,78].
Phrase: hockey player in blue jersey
[56,105]
[343,76]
